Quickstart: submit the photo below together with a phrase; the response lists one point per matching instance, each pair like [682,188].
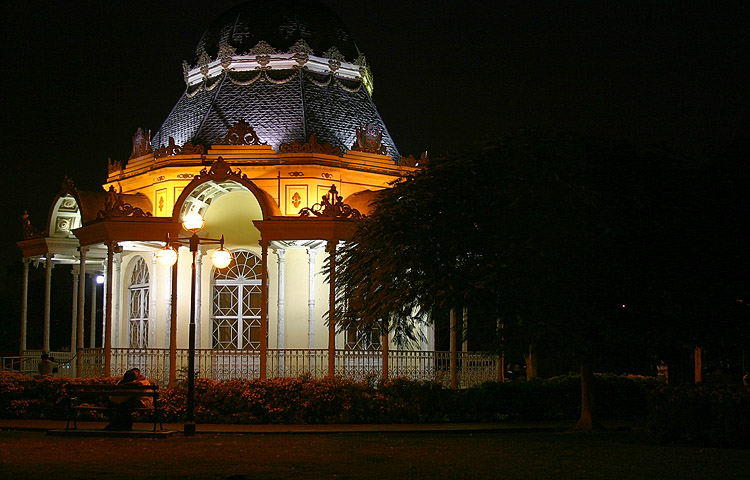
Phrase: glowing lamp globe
[192,222]
[167,256]
[221,258]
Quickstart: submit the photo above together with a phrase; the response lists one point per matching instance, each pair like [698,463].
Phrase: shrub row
[339,400]
[703,415]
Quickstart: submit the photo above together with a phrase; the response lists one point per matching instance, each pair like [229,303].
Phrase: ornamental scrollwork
[410,161]
[174,149]
[369,140]
[114,206]
[311,146]
[220,170]
[331,205]
[226,52]
[241,133]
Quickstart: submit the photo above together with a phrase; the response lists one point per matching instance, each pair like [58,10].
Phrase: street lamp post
[221,258]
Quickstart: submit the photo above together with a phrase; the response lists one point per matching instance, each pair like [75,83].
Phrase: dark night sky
[80,77]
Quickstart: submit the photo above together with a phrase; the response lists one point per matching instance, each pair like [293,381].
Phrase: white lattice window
[361,339]
[236,303]
[138,294]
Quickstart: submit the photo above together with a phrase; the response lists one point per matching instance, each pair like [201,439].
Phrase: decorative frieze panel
[296,199]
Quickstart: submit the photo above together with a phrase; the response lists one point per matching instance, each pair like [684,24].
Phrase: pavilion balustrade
[472,367]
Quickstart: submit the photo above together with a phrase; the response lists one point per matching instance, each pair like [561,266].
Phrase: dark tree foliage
[584,247]
[527,228]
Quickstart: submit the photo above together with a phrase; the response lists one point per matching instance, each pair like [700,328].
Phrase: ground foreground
[423,455]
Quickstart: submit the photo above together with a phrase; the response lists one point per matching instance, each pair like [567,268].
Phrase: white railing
[471,368]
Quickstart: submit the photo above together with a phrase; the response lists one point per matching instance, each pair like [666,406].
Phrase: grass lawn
[609,454]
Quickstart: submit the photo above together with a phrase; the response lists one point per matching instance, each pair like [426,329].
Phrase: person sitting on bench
[123,419]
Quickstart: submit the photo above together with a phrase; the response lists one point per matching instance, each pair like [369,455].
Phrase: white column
[24,304]
[168,308]
[92,317]
[75,272]
[311,254]
[281,253]
[152,302]
[198,290]
[81,303]
[47,297]
[116,297]
[106,301]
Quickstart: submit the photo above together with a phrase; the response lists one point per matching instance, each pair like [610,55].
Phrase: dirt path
[612,455]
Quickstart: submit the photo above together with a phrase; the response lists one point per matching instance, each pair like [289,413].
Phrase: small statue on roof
[369,140]
[141,143]
[29,231]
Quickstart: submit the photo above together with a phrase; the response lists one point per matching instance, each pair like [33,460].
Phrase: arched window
[138,294]
[236,303]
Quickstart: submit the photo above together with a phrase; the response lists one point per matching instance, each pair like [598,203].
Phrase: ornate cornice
[332,206]
[311,146]
[264,56]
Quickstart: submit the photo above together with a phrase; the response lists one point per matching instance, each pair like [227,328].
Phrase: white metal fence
[471,368]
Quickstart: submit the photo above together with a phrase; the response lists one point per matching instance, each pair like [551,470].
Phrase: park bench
[96,398]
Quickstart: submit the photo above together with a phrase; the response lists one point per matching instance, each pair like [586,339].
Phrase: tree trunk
[588,420]
[531,364]
[698,364]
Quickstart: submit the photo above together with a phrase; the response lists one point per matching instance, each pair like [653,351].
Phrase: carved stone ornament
[370,140]
[312,146]
[331,205]
[114,206]
[262,48]
[220,170]
[174,149]
[241,133]
[203,61]
[301,46]
[226,52]
[410,161]
[28,229]
[141,143]
[335,57]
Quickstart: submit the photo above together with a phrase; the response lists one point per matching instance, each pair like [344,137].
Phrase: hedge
[340,400]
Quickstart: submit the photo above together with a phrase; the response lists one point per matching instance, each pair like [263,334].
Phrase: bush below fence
[702,415]
[340,400]
[706,415]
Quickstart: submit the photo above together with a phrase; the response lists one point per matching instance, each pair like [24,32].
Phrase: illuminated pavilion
[277,144]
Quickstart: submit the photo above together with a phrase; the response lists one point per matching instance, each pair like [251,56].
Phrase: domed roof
[287,68]
[280,23]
